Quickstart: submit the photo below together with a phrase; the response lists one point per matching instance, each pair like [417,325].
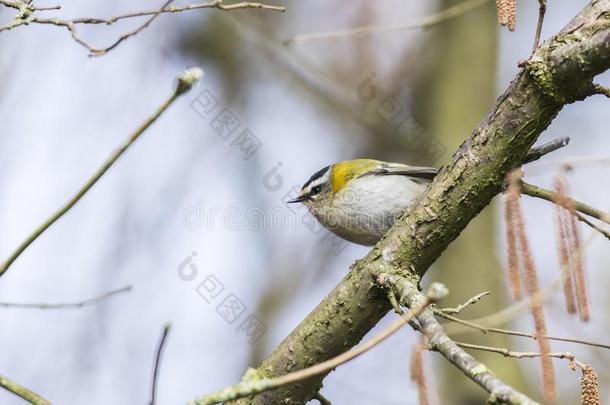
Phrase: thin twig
[541,13]
[218,4]
[425,22]
[520,355]
[186,80]
[506,315]
[460,307]
[99,52]
[539,192]
[593,225]
[64,305]
[488,329]
[27,16]
[21,391]
[599,89]
[322,399]
[26,6]
[438,340]
[153,393]
[251,385]
[537,152]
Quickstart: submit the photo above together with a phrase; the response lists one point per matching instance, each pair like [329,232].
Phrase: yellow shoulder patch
[342,172]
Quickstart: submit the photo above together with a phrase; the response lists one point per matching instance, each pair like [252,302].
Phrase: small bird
[360,199]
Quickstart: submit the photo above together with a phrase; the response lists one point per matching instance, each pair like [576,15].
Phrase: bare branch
[153,393]
[186,80]
[460,307]
[438,341]
[21,391]
[27,16]
[489,329]
[521,355]
[593,225]
[599,89]
[541,13]
[64,305]
[425,22]
[546,148]
[322,399]
[99,52]
[218,4]
[252,383]
[551,196]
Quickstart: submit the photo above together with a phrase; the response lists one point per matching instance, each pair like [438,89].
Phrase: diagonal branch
[22,392]
[438,341]
[253,384]
[123,37]
[65,305]
[560,72]
[425,22]
[186,80]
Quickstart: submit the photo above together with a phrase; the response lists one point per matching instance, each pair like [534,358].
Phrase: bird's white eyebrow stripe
[317,175]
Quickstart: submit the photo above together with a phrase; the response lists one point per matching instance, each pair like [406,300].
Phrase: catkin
[507,13]
[570,252]
[564,245]
[513,272]
[418,376]
[531,288]
[589,391]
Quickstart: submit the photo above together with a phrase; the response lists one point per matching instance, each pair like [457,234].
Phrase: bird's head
[321,188]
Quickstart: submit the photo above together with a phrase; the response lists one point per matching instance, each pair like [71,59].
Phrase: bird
[360,199]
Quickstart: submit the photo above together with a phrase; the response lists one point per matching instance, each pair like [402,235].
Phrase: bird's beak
[300,198]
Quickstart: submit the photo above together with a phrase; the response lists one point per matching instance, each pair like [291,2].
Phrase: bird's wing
[400,169]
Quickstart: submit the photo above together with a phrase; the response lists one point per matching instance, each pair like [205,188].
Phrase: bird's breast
[367,207]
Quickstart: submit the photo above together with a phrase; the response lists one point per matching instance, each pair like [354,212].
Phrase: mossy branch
[561,71]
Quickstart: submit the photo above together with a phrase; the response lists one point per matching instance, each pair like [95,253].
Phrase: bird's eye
[316,189]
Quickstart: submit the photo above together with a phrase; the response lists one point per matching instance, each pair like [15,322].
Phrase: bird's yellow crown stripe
[342,172]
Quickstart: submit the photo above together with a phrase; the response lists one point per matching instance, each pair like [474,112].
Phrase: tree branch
[22,392]
[546,148]
[599,89]
[521,355]
[461,307]
[438,341]
[560,72]
[27,16]
[541,13]
[551,196]
[64,305]
[186,80]
[252,383]
[157,363]
[425,22]
[488,329]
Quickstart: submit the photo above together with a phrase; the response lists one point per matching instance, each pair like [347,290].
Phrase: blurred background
[189,216]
